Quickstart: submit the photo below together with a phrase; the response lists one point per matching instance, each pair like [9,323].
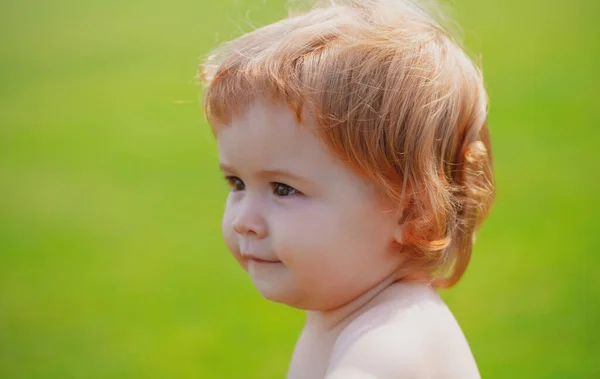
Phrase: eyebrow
[266,173]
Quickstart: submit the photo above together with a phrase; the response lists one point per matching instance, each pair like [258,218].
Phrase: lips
[258,258]
[252,250]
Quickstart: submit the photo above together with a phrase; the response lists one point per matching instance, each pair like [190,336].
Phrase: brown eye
[235,183]
[283,190]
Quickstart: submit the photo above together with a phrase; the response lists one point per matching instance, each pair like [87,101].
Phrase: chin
[279,294]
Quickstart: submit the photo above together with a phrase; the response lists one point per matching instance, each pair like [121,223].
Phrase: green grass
[111,260]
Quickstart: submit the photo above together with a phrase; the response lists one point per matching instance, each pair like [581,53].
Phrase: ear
[400,226]
[399,233]
[404,208]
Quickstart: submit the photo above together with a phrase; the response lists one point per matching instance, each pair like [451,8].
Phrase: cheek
[293,236]
[303,237]
[325,237]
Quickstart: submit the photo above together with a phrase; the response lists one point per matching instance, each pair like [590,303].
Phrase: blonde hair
[394,96]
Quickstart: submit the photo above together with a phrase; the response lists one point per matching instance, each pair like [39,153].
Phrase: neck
[338,317]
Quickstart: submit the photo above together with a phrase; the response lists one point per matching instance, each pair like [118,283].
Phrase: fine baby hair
[394,96]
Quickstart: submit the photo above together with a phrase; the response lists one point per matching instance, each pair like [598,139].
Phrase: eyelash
[238,185]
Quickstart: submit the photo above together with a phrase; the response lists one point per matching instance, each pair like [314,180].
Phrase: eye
[235,183]
[283,190]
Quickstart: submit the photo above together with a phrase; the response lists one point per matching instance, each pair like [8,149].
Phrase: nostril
[244,227]
[241,228]
[238,227]
[248,227]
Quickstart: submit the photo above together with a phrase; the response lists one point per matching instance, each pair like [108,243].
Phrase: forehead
[266,135]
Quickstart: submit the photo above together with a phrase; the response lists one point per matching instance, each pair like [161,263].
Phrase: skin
[315,235]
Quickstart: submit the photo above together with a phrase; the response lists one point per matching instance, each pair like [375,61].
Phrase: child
[355,142]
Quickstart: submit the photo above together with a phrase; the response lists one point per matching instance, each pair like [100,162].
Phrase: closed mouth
[262,260]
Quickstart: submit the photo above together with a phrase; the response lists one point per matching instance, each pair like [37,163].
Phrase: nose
[249,221]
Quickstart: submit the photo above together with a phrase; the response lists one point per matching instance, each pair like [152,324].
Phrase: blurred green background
[111,260]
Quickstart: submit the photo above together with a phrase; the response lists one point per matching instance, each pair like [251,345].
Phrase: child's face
[309,231]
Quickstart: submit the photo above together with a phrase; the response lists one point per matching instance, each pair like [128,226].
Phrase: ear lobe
[400,229]
[399,233]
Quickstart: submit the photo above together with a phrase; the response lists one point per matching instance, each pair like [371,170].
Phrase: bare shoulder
[409,333]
